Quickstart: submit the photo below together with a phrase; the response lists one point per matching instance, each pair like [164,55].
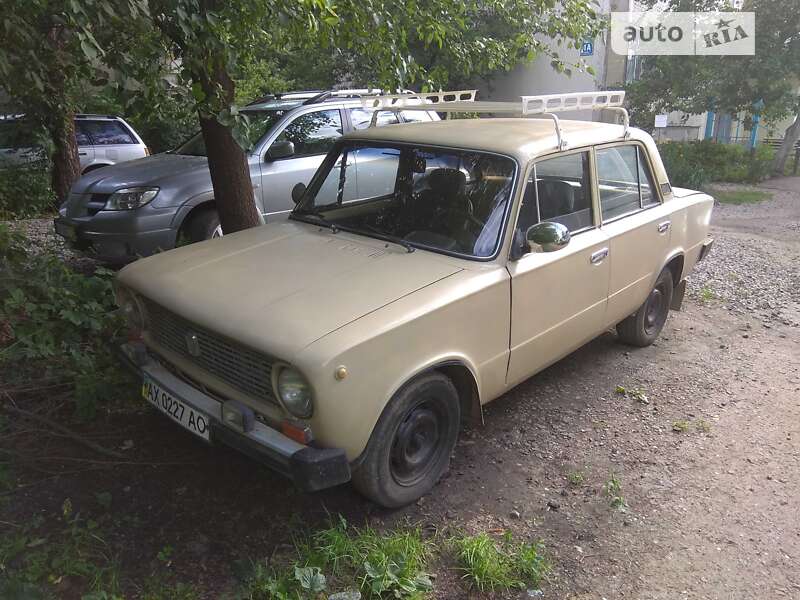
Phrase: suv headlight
[130,198]
[294,392]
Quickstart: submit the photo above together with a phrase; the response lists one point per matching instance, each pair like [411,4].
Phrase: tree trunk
[66,166]
[230,176]
[227,162]
[789,140]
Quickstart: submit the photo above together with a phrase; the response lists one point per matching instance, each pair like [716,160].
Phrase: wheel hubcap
[416,444]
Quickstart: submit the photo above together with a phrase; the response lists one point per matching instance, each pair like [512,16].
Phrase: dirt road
[701,452]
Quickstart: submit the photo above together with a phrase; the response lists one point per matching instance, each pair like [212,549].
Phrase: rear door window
[625,181]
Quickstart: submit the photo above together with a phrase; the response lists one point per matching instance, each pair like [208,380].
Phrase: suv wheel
[643,326]
[204,226]
[410,447]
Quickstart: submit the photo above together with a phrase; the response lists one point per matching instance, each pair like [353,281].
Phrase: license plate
[67,231]
[189,418]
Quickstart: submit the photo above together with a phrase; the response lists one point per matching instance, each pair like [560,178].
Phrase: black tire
[410,447]
[643,326]
[202,225]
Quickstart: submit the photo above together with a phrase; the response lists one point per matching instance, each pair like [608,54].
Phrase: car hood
[153,170]
[280,287]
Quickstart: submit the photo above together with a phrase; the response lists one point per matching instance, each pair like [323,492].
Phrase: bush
[694,164]
[25,191]
[56,324]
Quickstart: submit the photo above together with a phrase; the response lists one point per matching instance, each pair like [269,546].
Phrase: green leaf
[310,578]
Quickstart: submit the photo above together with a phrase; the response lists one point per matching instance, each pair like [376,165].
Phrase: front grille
[242,368]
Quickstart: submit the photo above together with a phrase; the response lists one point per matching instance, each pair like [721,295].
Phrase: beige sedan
[426,270]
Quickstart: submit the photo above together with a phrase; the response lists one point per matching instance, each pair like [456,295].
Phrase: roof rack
[545,105]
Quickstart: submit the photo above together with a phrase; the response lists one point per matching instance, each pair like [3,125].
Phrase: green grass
[707,294]
[741,196]
[681,426]
[492,564]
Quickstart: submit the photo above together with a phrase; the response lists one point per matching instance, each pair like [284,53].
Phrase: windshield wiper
[373,232]
[316,219]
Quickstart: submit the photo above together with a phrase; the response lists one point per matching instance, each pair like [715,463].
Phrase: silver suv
[138,208]
[103,140]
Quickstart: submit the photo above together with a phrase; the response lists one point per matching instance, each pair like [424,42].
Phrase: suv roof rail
[319,96]
[544,105]
[94,116]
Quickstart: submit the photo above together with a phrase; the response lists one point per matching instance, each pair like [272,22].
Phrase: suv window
[362,117]
[416,116]
[106,133]
[562,187]
[625,181]
[313,133]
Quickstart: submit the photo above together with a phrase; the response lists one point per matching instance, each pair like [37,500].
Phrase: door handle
[597,257]
[663,227]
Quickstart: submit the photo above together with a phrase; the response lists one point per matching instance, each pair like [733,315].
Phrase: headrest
[447,181]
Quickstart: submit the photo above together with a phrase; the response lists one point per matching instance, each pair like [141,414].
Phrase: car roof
[521,138]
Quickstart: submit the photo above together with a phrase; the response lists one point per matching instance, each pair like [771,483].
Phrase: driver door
[313,135]
[558,299]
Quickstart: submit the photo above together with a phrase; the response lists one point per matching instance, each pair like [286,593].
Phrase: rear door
[85,148]
[313,135]
[637,223]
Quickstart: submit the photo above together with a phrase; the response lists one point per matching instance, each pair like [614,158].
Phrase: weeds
[637,394]
[681,426]
[707,294]
[33,561]
[576,478]
[491,564]
[382,565]
[57,323]
[613,491]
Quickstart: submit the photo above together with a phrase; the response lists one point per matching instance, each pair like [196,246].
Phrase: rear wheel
[410,447]
[203,226]
[643,326]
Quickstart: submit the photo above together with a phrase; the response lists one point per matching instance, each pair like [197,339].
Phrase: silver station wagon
[426,270]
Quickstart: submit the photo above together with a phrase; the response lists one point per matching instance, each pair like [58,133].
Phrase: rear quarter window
[106,133]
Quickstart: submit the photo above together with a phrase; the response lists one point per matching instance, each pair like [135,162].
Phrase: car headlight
[131,309]
[130,198]
[294,392]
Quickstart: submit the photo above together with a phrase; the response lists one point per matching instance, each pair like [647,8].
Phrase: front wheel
[410,447]
[643,326]
[204,226]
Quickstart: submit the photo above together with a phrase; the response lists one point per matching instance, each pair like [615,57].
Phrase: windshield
[260,123]
[448,200]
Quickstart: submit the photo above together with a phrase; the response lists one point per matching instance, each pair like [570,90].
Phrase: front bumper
[89,235]
[310,468]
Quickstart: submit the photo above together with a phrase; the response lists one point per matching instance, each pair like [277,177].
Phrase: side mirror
[297,192]
[281,149]
[547,237]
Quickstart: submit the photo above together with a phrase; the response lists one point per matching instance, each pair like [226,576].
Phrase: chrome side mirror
[297,192]
[547,237]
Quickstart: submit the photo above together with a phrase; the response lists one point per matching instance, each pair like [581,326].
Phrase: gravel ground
[705,446]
